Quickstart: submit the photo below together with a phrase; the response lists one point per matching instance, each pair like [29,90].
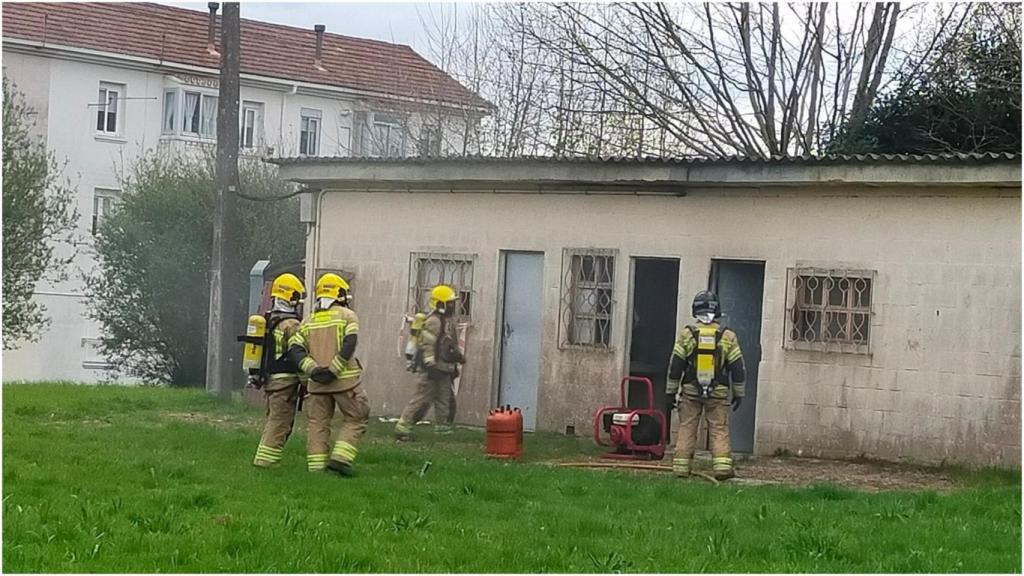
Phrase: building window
[361,140]
[197,111]
[199,115]
[429,142]
[208,124]
[170,111]
[103,202]
[427,270]
[93,355]
[309,133]
[829,309]
[588,283]
[388,136]
[252,125]
[191,113]
[109,108]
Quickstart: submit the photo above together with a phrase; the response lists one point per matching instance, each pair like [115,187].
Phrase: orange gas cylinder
[504,433]
[519,429]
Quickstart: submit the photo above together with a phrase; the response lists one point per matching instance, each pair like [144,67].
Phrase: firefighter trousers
[432,389]
[716,413]
[278,427]
[355,414]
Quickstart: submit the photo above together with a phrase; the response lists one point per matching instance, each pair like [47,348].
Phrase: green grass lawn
[106,479]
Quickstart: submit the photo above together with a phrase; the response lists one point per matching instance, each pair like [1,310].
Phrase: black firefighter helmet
[706,302]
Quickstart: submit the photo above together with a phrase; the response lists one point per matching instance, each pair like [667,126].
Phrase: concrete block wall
[943,377]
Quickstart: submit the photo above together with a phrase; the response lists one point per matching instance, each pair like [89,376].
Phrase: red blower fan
[636,433]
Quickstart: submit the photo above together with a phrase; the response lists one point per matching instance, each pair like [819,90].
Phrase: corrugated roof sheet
[974,158]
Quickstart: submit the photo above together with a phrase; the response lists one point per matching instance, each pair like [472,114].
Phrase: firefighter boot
[403,432]
[341,458]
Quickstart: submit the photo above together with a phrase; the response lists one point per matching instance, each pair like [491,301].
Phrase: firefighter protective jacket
[730,364]
[320,339]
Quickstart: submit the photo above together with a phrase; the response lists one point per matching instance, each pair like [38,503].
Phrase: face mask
[706,317]
[282,306]
[324,303]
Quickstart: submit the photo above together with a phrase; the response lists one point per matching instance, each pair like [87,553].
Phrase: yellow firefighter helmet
[332,286]
[288,287]
[442,295]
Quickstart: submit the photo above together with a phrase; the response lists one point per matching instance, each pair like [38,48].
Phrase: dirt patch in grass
[871,476]
[220,421]
[867,476]
[87,422]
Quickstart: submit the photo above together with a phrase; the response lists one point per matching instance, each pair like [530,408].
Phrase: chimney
[318,62]
[211,46]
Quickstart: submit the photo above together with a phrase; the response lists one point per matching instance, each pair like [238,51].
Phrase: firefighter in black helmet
[706,365]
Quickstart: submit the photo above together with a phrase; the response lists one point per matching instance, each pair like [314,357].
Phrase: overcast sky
[397,22]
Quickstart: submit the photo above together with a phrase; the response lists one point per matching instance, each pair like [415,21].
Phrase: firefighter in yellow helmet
[440,357]
[324,348]
[707,361]
[280,377]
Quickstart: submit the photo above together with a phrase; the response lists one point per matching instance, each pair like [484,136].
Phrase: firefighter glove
[671,401]
[321,374]
[736,401]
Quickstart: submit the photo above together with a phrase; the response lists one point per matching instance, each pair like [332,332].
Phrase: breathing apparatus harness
[706,356]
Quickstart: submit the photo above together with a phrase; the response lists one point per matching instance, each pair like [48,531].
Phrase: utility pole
[223,292]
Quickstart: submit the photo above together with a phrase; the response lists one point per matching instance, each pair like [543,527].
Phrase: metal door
[522,305]
[740,288]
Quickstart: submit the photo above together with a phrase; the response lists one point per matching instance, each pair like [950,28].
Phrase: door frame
[712,277]
[499,316]
[630,293]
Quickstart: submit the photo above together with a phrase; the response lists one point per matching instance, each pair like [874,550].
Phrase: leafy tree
[967,100]
[151,289]
[38,221]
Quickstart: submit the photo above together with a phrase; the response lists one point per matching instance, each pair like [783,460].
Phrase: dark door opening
[740,288]
[652,335]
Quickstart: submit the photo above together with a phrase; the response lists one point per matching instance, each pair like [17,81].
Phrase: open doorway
[652,334]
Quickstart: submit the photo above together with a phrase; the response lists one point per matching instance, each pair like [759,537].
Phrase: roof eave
[456,173]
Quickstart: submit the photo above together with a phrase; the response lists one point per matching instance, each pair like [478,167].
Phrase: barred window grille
[427,270]
[829,310]
[587,297]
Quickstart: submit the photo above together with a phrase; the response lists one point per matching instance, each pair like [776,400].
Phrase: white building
[111,81]
[876,298]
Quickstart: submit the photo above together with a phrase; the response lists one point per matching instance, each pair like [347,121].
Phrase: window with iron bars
[588,281]
[427,270]
[829,310]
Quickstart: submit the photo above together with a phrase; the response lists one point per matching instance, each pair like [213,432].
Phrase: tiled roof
[177,35]
[971,158]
